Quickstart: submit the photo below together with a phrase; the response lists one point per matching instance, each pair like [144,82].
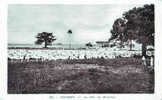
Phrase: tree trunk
[144,47]
[45,44]
[69,41]
[131,45]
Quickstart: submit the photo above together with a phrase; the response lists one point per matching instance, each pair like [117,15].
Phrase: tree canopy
[46,38]
[136,24]
[89,44]
[69,31]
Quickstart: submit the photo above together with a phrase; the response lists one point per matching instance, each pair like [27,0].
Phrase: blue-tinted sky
[89,23]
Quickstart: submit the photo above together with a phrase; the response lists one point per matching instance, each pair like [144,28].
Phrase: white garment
[151,61]
[143,60]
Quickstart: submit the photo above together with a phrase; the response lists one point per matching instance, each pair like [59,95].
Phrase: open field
[119,75]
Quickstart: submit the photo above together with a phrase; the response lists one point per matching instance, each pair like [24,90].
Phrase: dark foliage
[69,31]
[89,44]
[46,38]
[136,24]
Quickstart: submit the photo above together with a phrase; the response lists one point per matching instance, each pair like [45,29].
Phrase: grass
[122,75]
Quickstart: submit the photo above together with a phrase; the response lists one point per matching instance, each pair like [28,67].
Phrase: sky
[89,23]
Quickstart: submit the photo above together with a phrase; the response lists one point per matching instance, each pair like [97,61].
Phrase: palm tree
[69,32]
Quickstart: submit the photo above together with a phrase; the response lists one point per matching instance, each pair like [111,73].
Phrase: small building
[102,43]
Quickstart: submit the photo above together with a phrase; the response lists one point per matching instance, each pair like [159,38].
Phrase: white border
[3,53]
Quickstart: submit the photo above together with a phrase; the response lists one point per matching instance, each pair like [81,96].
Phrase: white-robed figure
[151,61]
[143,60]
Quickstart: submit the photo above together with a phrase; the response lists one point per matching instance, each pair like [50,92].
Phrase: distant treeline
[51,48]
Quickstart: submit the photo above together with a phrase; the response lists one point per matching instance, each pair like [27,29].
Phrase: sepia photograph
[80,48]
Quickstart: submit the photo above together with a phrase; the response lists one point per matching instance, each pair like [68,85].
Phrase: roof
[101,42]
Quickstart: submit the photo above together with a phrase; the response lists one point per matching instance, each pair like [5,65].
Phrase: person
[24,57]
[143,60]
[151,61]
[85,56]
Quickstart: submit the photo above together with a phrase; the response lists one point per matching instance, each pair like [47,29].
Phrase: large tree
[46,38]
[136,24]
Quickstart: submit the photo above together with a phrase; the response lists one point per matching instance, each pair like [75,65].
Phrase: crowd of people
[106,53]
